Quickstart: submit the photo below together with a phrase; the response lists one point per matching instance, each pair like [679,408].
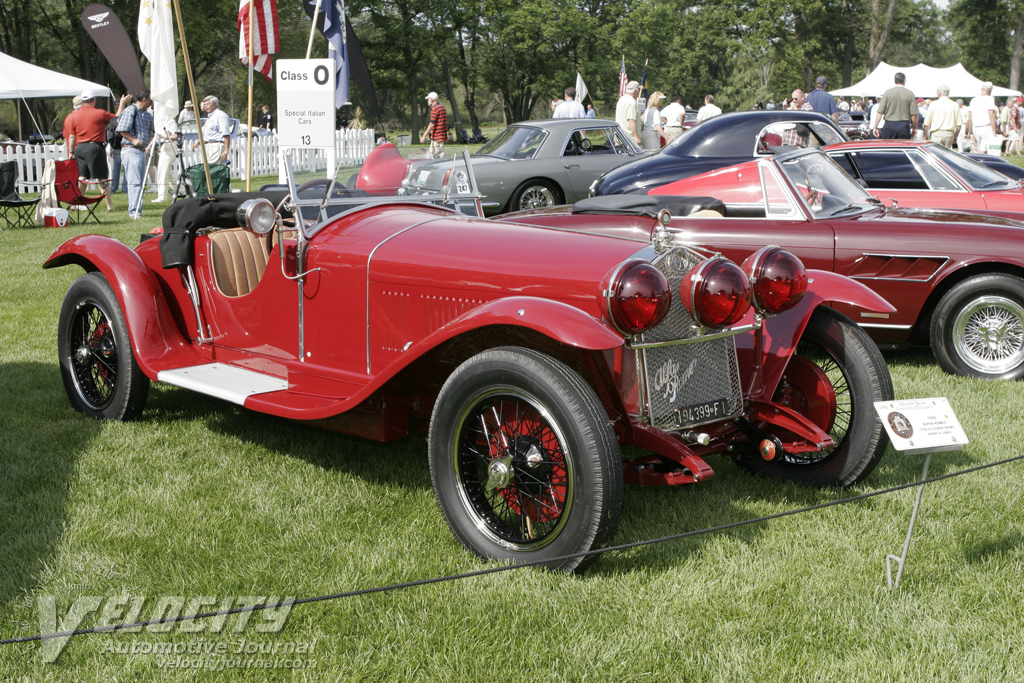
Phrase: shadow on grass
[399,463]
[42,438]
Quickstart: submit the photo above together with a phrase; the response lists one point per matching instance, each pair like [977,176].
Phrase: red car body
[505,341]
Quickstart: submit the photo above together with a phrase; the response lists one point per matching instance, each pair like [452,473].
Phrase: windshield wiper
[850,208]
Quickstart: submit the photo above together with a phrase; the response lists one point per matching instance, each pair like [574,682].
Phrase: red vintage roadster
[528,353]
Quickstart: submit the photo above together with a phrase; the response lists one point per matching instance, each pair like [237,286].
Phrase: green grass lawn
[203,498]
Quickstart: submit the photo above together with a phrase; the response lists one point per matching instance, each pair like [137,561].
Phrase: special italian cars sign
[305,93]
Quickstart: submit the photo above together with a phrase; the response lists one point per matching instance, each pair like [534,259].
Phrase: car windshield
[976,175]
[824,187]
[515,142]
[385,176]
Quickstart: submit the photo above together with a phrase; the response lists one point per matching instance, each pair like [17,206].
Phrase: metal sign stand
[901,561]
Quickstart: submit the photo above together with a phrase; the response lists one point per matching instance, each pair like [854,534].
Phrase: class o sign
[305,97]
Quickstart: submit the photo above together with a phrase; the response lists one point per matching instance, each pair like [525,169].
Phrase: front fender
[782,332]
[156,339]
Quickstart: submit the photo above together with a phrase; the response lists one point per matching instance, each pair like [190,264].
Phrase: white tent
[923,80]
[21,80]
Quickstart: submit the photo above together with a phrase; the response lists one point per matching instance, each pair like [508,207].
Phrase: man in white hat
[626,113]
[87,142]
[437,128]
[187,113]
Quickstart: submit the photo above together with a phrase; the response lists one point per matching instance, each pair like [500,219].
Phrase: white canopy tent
[21,81]
[923,80]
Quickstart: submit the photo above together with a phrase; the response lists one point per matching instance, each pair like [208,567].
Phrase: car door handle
[572,166]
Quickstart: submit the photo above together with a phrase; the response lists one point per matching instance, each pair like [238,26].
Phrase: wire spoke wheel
[512,470]
[93,355]
[524,461]
[989,334]
[101,376]
[833,379]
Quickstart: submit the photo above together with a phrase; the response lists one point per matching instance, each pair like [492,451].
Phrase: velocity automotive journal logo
[159,615]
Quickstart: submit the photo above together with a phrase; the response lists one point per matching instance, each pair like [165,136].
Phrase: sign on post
[921,425]
[305,97]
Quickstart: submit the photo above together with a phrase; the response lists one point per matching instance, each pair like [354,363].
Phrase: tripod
[183,188]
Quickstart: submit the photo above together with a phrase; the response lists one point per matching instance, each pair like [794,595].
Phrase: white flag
[581,88]
[156,40]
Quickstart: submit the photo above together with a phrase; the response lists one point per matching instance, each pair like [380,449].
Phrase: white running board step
[223,381]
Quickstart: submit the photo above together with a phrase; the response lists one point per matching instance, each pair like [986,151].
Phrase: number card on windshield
[921,425]
[305,103]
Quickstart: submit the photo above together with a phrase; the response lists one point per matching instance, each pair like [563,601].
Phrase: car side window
[782,134]
[889,170]
[573,146]
[776,199]
[937,180]
[844,163]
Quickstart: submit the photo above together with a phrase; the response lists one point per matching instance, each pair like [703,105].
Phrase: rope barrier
[504,568]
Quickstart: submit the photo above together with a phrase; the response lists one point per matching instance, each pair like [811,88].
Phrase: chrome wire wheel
[93,355]
[536,197]
[511,468]
[988,334]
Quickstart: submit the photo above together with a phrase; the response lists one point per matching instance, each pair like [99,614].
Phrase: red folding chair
[66,184]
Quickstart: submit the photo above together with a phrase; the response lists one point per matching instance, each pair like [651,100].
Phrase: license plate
[701,412]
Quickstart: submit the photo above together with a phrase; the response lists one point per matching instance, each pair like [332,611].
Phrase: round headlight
[257,215]
[779,279]
[638,297]
[716,293]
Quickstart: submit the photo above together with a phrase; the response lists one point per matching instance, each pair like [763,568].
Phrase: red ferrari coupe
[927,175]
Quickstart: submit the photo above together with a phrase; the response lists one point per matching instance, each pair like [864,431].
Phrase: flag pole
[248,158]
[192,91]
[312,29]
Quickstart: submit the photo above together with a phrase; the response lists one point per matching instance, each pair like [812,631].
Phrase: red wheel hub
[807,389]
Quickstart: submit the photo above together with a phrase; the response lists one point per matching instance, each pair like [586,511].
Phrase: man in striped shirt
[437,129]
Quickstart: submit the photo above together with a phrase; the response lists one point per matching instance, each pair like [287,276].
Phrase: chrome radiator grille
[687,384]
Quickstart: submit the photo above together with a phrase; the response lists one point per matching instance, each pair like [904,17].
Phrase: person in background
[437,128]
[216,132]
[167,139]
[898,108]
[76,104]
[87,142]
[626,114]
[590,112]
[186,113]
[940,123]
[652,132]
[708,110]
[821,101]
[135,124]
[981,119]
[267,120]
[672,117]
[569,108]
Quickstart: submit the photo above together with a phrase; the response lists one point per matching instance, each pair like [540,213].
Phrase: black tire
[535,194]
[977,329]
[833,351]
[541,482]
[101,377]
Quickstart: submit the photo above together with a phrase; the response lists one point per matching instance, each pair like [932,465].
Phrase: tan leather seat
[705,213]
[239,260]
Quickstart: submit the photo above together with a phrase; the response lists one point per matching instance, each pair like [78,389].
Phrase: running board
[223,381]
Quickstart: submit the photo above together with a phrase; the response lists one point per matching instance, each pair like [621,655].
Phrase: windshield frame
[971,173]
[508,136]
[836,182]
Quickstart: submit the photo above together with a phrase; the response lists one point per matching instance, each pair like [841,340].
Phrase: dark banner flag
[108,33]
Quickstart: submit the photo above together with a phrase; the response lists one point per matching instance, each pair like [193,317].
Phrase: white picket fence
[351,148]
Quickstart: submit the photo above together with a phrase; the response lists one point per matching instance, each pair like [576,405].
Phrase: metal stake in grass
[902,560]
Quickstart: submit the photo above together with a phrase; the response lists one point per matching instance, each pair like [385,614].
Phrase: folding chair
[11,201]
[66,186]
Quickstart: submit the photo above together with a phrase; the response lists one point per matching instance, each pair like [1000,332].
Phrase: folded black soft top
[184,218]
[647,205]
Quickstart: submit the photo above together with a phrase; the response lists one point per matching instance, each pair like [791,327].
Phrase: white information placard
[921,425]
[305,103]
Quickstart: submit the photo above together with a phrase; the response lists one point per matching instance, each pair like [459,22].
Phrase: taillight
[779,279]
[638,297]
[716,292]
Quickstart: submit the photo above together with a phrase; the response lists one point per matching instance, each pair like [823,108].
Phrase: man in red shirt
[87,142]
[437,129]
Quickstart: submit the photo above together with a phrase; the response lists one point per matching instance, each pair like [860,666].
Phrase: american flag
[267,40]
[622,77]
